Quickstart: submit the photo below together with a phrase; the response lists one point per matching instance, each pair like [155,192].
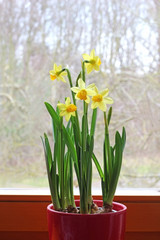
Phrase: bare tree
[35,34]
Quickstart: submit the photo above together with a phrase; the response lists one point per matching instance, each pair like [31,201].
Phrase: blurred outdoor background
[34,34]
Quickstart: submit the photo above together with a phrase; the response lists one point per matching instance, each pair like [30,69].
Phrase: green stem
[83,71]
[93,122]
[84,197]
[70,83]
[107,145]
[71,184]
[62,164]
[74,101]
[79,143]
[84,130]
[89,193]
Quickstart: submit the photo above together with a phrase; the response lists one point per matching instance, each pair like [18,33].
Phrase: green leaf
[123,138]
[71,182]
[116,168]
[89,177]
[76,137]
[45,152]
[69,144]
[99,169]
[84,133]
[66,135]
[104,190]
[90,144]
[53,114]
[106,166]
[51,180]
[93,122]
[109,115]
[68,125]
[66,166]
[48,150]
[112,155]
[55,185]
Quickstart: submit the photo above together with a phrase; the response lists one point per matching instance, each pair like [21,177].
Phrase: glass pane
[35,34]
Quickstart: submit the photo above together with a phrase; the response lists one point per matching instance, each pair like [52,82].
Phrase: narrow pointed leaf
[109,115]
[123,138]
[93,122]
[116,168]
[99,169]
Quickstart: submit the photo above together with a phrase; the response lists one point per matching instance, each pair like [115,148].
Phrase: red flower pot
[70,226]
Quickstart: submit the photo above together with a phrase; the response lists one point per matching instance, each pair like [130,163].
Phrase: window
[34,35]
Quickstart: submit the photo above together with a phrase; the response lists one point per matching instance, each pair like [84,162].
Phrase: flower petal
[63,113]
[104,92]
[102,106]
[60,78]
[89,67]
[68,101]
[59,68]
[63,73]
[90,86]
[87,100]
[81,84]
[55,67]
[73,114]
[96,90]
[75,89]
[96,67]
[67,116]
[90,92]
[61,106]
[108,100]
[52,72]
[77,97]
[92,53]
[94,105]
[86,57]
[98,61]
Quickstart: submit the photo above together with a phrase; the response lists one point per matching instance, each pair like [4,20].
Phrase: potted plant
[74,151]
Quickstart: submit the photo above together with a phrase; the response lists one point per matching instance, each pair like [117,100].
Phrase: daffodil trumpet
[74,144]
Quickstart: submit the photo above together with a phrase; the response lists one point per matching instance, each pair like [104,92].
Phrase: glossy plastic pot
[70,226]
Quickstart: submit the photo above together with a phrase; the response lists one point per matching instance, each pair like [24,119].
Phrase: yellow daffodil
[100,99]
[83,92]
[94,62]
[56,73]
[67,109]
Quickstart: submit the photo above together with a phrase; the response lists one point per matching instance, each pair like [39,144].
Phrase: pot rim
[123,209]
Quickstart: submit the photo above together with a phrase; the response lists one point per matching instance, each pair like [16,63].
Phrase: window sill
[23,213]
[96,191]
[124,194]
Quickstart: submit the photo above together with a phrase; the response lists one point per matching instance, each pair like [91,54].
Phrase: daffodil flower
[57,73]
[83,92]
[94,62]
[100,99]
[67,109]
